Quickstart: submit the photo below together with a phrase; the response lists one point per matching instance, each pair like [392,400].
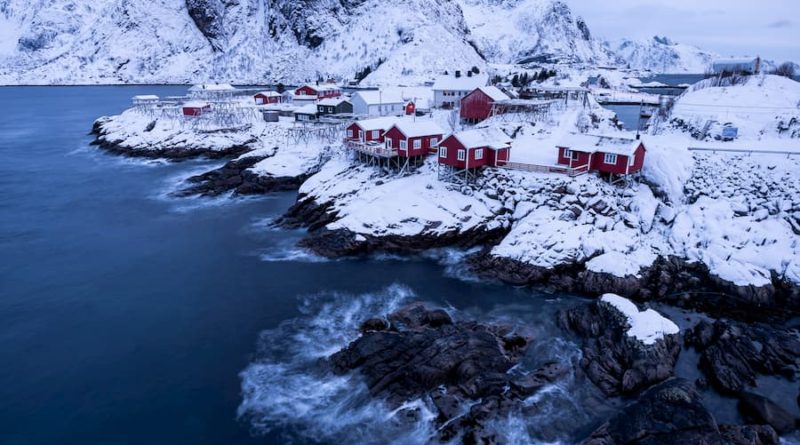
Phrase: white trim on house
[417,144]
[442,152]
[434,142]
[478,154]
[462,155]
[610,158]
[403,145]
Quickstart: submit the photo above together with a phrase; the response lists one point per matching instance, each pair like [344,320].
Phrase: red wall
[582,159]
[305,91]
[453,145]
[267,99]
[597,163]
[396,136]
[367,136]
[195,111]
[476,106]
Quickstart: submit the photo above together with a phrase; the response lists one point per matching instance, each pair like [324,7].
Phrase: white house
[448,90]
[374,103]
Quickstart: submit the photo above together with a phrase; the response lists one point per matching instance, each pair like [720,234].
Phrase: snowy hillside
[518,31]
[253,41]
[662,55]
[761,107]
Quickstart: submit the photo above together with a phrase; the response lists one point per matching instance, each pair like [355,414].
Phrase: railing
[571,171]
[744,150]
[371,148]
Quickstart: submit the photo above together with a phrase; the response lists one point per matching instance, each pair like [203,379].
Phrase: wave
[289,389]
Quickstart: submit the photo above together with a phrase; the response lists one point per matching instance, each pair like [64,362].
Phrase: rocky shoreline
[104,141]
[473,374]
[235,176]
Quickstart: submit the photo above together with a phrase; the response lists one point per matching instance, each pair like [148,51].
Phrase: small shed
[268,97]
[369,130]
[473,149]
[306,113]
[606,154]
[195,108]
[334,106]
[477,105]
[374,103]
[414,138]
[270,115]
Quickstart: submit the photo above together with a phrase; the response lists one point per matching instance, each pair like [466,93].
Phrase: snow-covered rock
[662,55]
[647,326]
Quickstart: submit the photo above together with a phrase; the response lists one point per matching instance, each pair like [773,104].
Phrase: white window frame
[434,142]
[376,134]
[350,134]
[417,144]
[389,143]
[568,153]
[478,154]
[403,145]
[462,155]
[610,159]
[442,152]
[631,160]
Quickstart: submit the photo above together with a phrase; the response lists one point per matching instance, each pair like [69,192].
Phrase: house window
[417,144]
[434,141]
[479,154]
[567,153]
[375,134]
[442,152]
[631,160]
[389,143]
[350,134]
[462,155]
[610,158]
[403,144]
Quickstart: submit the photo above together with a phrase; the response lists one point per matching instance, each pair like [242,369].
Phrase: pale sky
[770,28]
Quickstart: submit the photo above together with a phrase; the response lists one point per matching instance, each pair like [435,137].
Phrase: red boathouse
[411,139]
[322,91]
[195,108]
[605,154]
[467,151]
[477,105]
[268,97]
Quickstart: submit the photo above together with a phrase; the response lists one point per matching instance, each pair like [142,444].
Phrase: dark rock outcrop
[616,363]
[235,176]
[763,411]
[749,434]
[463,366]
[669,413]
[734,354]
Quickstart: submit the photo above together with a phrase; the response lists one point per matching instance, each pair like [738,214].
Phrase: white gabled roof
[588,143]
[377,97]
[321,87]
[379,123]
[195,104]
[483,137]
[494,93]
[307,109]
[423,127]
[268,93]
[332,102]
[463,83]
[146,97]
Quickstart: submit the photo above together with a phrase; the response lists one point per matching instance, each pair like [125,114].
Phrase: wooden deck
[371,149]
[569,171]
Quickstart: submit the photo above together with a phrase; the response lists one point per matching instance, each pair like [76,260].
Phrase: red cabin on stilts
[605,154]
[195,108]
[477,105]
[411,139]
[468,151]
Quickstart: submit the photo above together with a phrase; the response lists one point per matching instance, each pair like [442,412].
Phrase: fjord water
[127,316]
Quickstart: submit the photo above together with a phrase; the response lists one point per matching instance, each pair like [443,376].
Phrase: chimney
[458,74]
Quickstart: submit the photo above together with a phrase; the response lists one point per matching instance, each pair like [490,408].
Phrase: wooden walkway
[372,149]
[569,171]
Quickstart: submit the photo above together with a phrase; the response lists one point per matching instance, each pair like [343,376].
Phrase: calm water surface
[126,316]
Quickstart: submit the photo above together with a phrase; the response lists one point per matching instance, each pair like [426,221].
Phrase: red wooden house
[369,130]
[477,105]
[268,97]
[473,149]
[605,154]
[322,91]
[411,139]
[195,108]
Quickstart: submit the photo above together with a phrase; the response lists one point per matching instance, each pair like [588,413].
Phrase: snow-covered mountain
[662,55]
[177,41]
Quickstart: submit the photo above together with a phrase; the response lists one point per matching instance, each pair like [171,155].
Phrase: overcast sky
[770,28]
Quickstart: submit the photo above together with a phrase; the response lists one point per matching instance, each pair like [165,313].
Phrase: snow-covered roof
[268,93]
[588,143]
[307,109]
[379,123]
[377,97]
[332,102]
[422,127]
[483,137]
[494,93]
[321,87]
[146,97]
[463,83]
[212,87]
[195,104]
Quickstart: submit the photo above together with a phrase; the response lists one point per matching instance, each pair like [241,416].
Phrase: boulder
[763,411]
